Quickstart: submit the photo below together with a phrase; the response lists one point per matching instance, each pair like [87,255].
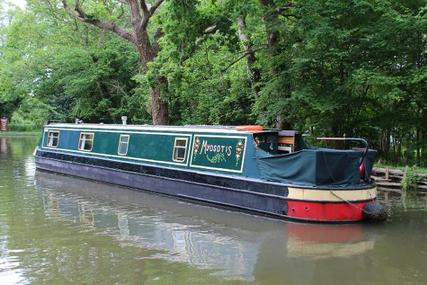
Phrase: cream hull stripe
[332,195]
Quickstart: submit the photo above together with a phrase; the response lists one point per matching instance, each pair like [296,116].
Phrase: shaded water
[56,229]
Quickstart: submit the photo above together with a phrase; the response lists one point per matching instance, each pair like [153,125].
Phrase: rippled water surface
[56,229]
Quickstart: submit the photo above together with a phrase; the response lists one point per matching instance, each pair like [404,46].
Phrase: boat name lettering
[206,147]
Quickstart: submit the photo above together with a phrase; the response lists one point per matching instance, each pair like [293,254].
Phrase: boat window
[86,141]
[179,149]
[266,142]
[52,138]
[123,145]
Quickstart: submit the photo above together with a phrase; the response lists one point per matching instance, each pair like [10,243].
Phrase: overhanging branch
[148,12]
[154,7]
[284,8]
[245,53]
[144,7]
[80,15]
[135,15]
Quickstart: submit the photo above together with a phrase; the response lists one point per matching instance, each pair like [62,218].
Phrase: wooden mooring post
[3,124]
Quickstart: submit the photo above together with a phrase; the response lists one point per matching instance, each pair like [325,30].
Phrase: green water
[56,229]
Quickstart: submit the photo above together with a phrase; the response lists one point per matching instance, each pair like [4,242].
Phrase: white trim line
[94,154]
[131,132]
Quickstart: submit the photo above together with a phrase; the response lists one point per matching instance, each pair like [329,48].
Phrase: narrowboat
[265,171]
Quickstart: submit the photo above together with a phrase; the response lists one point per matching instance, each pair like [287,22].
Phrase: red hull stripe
[326,212]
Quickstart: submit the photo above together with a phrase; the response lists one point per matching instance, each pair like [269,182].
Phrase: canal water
[56,229]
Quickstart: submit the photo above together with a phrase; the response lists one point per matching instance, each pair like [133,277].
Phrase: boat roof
[187,128]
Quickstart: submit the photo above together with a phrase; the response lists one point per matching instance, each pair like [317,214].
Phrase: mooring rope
[351,204]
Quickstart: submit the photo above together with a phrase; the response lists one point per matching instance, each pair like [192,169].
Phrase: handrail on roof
[365,142]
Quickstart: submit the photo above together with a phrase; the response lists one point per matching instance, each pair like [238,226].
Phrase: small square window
[180,149]
[52,138]
[123,145]
[86,141]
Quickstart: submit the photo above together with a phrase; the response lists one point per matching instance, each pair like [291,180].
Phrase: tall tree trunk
[387,144]
[254,72]
[399,153]
[423,148]
[147,53]
[418,144]
[272,24]
[148,50]
[159,109]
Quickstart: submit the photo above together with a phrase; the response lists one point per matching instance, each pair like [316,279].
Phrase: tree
[12,91]
[352,68]
[324,67]
[76,69]
[140,16]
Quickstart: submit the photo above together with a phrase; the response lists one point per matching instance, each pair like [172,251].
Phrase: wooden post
[3,124]
[386,199]
[387,173]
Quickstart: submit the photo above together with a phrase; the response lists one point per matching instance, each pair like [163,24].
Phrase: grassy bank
[420,170]
[19,134]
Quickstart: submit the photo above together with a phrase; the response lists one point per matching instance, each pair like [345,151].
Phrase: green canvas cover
[315,167]
[369,162]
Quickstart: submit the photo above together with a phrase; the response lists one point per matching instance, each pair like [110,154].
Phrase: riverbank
[400,178]
[420,170]
[19,134]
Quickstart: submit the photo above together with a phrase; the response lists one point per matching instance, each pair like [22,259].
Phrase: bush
[30,116]
[23,127]
[410,180]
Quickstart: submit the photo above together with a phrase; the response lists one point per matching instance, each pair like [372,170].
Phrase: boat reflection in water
[3,146]
[232,244]
[324,241]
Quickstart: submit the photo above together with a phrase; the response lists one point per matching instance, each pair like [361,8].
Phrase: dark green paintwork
[146,146]
[153,147]
[218,152]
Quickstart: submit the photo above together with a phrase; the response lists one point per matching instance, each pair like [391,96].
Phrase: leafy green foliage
[410,180]
[354,68]
[31,114]
[77,70]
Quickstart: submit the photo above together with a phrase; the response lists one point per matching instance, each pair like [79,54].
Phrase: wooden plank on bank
[396,172]
[390,190]
[389,184]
